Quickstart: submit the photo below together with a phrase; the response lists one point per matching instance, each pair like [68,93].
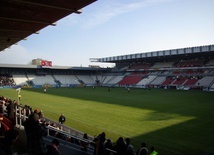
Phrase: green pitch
[175,122]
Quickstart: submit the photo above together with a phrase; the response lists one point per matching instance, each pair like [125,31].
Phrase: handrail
[20,116]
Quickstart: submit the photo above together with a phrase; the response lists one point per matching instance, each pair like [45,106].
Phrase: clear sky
[118,27]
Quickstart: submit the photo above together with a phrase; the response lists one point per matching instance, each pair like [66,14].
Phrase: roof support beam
[10,30]
[27,21]
[50,6]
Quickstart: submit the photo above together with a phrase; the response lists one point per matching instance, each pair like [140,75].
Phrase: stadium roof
[22,18]
[21,66]
[172,54]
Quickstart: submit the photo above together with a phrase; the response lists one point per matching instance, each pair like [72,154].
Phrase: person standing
[45,89]
[130,149]
[120,146]
[35,133]
[108,145]
[6,143]
[20,96]
[100,148]
[62,119]
[109,88]
[85,143]
[10,110]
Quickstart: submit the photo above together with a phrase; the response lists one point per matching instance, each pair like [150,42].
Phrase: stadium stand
[210,63]
[161,68]
[163,65]
[179,81]
[6,80]
[140,66]
[158,81]
[20,79]
[130,80]
[41,79]
[168,81]
[86,79]
[190,63]
[151,72]
[146,81]
[205,81]
[114,80]
[66,79]
[190,82]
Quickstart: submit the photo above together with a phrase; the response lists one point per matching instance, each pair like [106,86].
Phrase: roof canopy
[22,18]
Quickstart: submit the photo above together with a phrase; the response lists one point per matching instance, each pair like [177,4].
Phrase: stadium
[163,98]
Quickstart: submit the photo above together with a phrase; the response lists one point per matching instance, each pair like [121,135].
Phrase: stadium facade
[184,68]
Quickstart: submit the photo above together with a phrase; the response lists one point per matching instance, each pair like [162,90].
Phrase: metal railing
[21,114]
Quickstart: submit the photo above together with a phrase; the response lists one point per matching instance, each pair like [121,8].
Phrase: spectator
[45,89]
[109,145]
[1,107]
[120,146]
[10,110]
[143,150]
[53,132]
[41,115]
[62,119]
[53,148]
[152,151]
[129,147]
[100,145]
[35,133]
[84,143]
[96,145]
[36,113]
[7,142]
[59,134]
[6,80]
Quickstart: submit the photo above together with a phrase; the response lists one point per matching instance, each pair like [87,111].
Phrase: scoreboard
[45,63]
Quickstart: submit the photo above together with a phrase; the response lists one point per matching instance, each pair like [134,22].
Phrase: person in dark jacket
[62,119]
[7,142]
[35,131]
[10,110]
[53,148]
[143,150]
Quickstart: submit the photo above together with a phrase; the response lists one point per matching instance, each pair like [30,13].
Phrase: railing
[67,136]
[21,115]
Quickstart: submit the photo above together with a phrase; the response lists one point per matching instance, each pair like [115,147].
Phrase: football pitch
[176,122]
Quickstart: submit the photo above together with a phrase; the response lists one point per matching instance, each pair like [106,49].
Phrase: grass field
[175,122]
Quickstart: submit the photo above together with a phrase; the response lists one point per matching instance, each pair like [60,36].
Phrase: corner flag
[18,90]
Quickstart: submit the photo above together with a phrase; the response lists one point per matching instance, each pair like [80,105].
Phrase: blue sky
[118,27]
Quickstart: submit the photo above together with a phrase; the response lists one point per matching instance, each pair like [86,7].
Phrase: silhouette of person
[108,145]
[53,148]
[35,133]
[130,149]
[84,143]
[120,146]
[143,150]
[62,119]
[6,143]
